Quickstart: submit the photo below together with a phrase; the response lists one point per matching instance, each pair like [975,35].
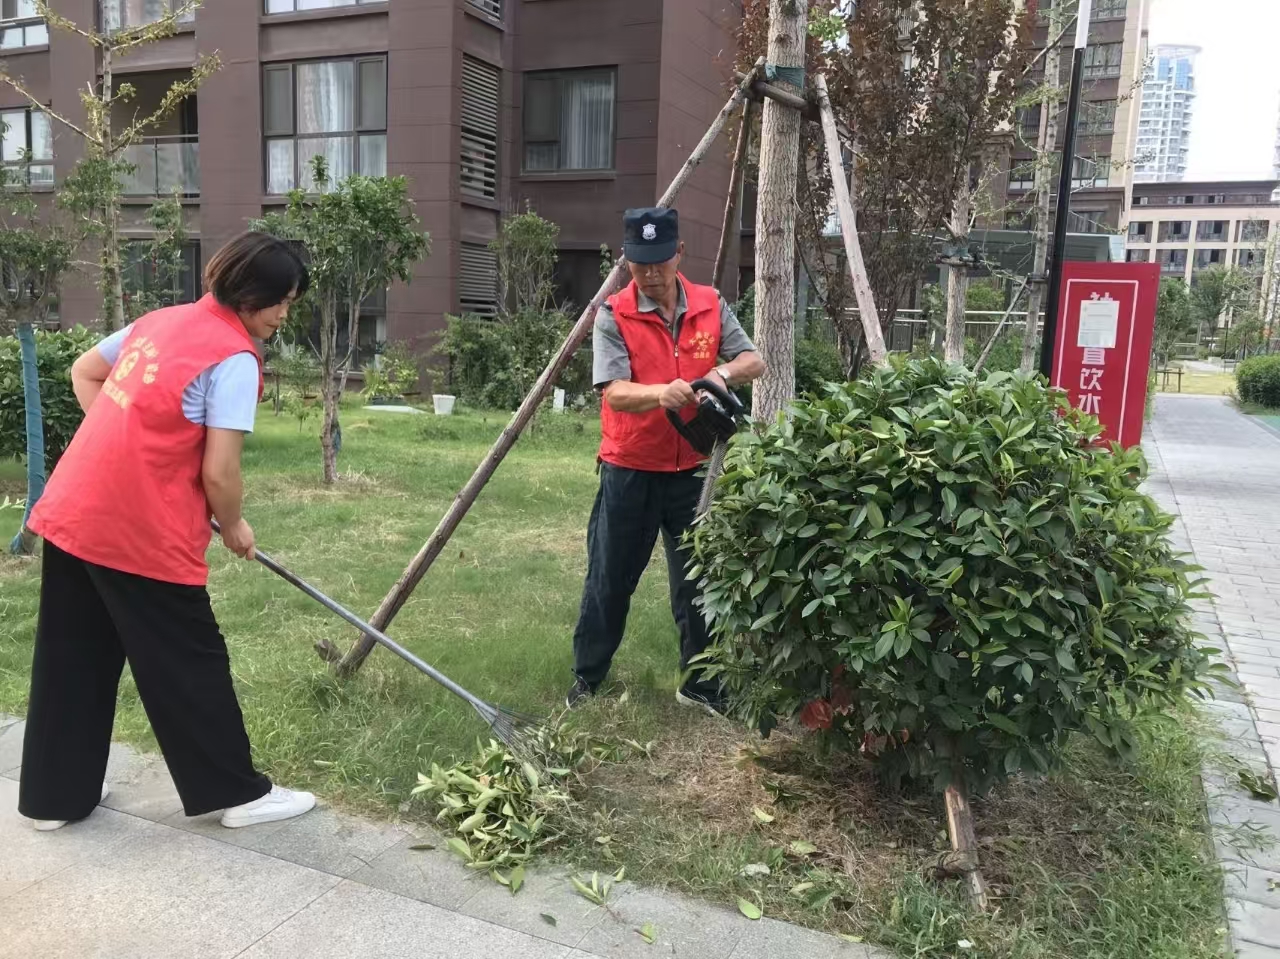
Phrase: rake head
[519,732]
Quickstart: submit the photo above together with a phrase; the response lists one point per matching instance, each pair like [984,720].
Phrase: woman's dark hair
[256,271]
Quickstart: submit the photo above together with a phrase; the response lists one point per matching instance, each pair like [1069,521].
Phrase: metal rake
[516,730]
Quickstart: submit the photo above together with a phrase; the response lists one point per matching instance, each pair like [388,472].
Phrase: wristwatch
[723,373]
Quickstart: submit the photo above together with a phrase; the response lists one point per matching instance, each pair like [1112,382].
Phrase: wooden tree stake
[409,579]
[986,350]
[732,227]
[849,229]
[964,841]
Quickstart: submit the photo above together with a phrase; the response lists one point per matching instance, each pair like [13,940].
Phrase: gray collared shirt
[610,359]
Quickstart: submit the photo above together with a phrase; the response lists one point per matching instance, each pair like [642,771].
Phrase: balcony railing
[163,165]
[492,8]
[126,14]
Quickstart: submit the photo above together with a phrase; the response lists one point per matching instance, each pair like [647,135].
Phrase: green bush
[817,364]
[55,352]
[946,570]
[1005,355]
[1258,380]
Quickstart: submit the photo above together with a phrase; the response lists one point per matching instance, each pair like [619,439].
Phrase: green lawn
[1203,384]
[1098,861]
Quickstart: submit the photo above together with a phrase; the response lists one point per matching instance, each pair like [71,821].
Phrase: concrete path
[139,880]
[1220,472]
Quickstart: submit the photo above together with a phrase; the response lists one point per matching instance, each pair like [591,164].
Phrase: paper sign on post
[1099,320]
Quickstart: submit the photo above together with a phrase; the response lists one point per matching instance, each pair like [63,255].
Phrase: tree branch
[17,85]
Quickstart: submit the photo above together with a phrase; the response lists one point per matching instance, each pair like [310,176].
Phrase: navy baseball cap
[650,235]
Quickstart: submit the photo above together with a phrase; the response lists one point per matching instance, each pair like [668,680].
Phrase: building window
[1207,258]
[1090,172]
[293,6]
[127,14]
[569,120]
[1029,121]
[1172,261]
[481,85]
[1142,201]
[1249,259]
[1102,60]
[1108,10]
[26,147]
[1137,256]
[477,280]
[490,8]
[144,276]
[1252,231]
[21,26]
[371,336]
[1097,118]
[1212,231]
[1140,231]
[1175,231]
[1087,221]
[333,108]
[1022,174]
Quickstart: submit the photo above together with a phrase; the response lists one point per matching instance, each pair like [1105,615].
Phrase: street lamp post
[1064,188]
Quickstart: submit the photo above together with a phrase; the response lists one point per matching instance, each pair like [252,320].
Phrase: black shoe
[577,694]
[711,705]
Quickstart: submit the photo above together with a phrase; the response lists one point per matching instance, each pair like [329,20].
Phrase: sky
[1237,74]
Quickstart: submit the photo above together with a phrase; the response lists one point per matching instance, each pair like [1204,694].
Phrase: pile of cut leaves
[502,809]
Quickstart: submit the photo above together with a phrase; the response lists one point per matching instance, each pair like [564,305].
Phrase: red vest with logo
[646,441]
[127,494]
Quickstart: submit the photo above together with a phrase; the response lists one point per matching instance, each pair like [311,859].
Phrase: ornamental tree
[946,571]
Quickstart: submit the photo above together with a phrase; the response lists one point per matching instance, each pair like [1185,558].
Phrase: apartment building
[1102,168]
[1164,125]
[580,108]
[1191,227]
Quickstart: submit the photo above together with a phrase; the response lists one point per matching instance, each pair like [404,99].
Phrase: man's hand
[239,539]
[676,395]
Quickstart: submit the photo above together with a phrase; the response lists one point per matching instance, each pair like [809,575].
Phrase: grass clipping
[504,810]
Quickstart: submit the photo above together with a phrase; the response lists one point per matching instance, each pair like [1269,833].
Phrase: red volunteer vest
[646,441]
[127,494]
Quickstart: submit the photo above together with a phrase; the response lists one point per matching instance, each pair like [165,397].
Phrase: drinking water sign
[1102,356]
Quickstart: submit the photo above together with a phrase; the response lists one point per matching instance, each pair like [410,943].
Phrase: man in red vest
[125,519]
[651,341]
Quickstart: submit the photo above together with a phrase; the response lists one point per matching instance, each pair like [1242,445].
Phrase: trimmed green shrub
[55,352]
[1258,380]
[817,364]
[946,571]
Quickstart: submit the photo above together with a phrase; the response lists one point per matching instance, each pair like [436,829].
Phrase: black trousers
[631,507]
[91,620]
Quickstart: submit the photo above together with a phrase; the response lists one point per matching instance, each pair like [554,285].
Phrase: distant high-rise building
[1164,125]
[1276,171]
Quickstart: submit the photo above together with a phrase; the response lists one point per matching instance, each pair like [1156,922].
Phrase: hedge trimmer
[717,420]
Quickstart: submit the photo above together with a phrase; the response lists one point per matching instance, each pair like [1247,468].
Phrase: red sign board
[1106,318]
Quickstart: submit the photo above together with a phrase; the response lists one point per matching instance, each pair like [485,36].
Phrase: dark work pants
[91,620]
[631,507]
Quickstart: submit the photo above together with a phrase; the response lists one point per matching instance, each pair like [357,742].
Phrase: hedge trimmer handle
[720,417]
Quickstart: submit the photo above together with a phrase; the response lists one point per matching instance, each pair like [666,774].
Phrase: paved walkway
[1220,471]
[139,880]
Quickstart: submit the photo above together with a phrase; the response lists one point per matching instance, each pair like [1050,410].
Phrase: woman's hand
[239,539]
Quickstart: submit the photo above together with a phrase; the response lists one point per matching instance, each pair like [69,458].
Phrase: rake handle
[376,634]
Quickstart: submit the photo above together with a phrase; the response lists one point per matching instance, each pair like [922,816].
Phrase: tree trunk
[964,840]
[958,278]
[329,388]
[1046,139]
[23,544]
[112,283]
[776,218]
[353,337]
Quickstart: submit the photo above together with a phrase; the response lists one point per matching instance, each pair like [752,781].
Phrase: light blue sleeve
[110,346]
[230,394]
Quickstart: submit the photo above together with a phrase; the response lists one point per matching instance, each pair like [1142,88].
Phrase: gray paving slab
[431,876]
[1214,468]
[769,939]
[331,841]
[549,893]
[11,746]
[140,785]
[163,893]
[354,921]
[27,856]
[684,928]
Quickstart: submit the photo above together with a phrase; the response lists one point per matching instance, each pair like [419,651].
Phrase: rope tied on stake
[791,75]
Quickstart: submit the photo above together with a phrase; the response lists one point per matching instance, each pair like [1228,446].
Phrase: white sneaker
[49,825]
[276,805]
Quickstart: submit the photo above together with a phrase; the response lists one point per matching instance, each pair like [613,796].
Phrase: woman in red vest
[125,520]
